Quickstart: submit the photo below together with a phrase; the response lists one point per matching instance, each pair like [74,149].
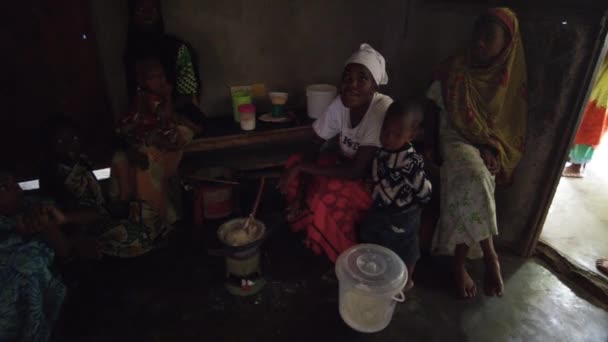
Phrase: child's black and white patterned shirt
[400,181]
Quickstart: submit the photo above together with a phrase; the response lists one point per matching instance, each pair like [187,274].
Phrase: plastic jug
[371,279]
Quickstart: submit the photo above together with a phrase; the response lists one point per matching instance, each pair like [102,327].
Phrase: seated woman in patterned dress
[482,98]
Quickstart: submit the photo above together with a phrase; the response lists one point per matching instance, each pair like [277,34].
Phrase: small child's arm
[419,182]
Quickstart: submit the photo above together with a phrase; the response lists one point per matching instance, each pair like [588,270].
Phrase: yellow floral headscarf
[489,106]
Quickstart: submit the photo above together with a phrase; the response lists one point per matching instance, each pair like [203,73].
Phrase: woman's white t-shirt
[336,121]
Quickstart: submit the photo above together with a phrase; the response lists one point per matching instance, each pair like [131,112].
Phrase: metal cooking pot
[242,251]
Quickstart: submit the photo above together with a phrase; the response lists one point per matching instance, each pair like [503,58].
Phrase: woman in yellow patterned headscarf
[483,100]
[487,99]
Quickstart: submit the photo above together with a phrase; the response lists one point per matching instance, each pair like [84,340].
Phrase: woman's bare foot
[602,265]
[493,284]
[464,283]
[574,171]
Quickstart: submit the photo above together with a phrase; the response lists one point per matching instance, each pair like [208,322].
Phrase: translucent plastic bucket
[371,279]
[318,98]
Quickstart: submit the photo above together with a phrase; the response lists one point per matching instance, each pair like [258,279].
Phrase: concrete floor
[577,223]
[177,295]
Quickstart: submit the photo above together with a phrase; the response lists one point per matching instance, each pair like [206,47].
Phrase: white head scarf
[372,60]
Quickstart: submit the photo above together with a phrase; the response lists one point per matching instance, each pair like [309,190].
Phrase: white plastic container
[318,98]
[247,117]
[371,279]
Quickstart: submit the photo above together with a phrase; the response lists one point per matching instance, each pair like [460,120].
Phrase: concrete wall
[289,44]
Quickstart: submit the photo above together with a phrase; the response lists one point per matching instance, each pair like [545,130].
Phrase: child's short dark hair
[411,110]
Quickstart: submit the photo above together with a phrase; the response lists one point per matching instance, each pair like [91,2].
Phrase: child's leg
[373,229]
[403,235]
[410,277]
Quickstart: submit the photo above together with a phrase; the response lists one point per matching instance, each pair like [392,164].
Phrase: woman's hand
[490,159]
[287,178]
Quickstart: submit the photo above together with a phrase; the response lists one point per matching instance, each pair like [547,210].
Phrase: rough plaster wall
[238,42]
[290,44]
[109,18]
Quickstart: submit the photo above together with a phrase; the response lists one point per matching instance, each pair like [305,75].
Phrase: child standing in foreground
[400,187]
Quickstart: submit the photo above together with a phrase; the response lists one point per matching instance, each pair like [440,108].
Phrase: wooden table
[223,143]
[224,133]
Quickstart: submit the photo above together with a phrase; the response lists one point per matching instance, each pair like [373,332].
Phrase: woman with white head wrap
[325,195]
[373,61]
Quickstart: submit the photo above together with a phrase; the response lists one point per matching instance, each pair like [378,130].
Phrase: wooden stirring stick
[248,224]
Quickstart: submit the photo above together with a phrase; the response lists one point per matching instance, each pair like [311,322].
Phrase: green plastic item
[239,98]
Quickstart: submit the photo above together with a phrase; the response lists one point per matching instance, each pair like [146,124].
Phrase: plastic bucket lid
[372,269]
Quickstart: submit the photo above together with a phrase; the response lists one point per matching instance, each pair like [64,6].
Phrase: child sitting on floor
[400,189]
[152,133]
[118,228]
